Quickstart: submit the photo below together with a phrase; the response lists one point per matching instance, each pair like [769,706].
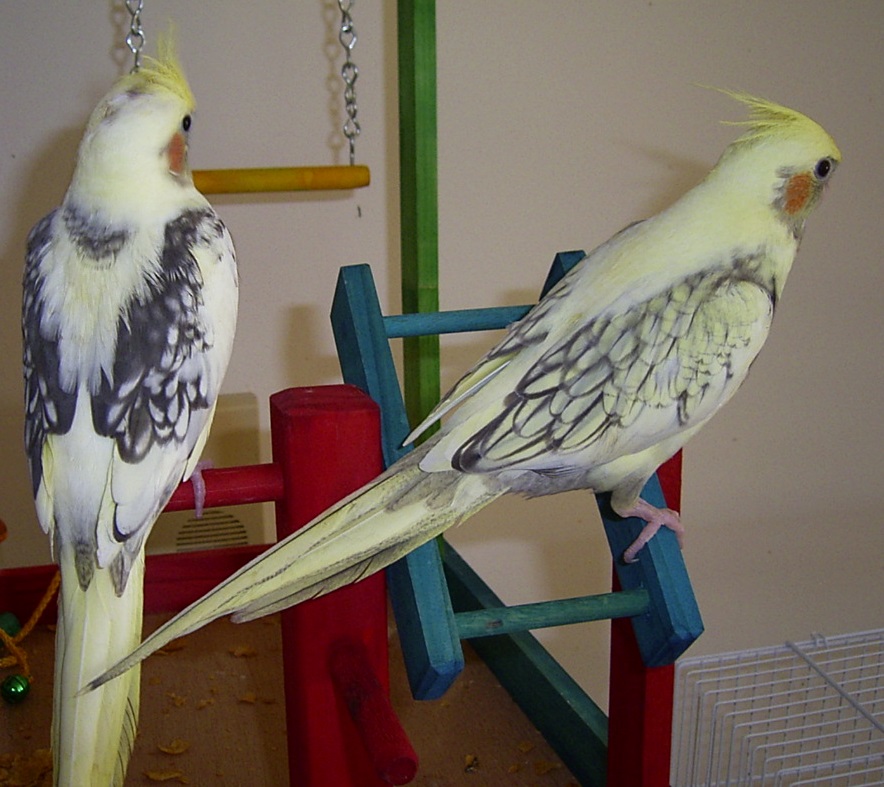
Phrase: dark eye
[185,124]
[823,168]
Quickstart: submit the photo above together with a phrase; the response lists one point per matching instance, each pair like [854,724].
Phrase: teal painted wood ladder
[438,600]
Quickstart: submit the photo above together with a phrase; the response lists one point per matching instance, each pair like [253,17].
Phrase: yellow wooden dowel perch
[243,181]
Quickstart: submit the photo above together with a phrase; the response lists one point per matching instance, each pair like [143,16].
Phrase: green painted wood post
[419,197]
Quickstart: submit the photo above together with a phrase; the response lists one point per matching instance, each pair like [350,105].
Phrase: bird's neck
[127,191]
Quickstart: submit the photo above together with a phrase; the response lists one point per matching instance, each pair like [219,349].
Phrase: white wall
[559,122]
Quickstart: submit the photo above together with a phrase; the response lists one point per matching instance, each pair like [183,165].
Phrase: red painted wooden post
[640,698]
[327,443]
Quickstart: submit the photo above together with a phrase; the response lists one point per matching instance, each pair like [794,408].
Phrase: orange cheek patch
[177,152]
[798,191]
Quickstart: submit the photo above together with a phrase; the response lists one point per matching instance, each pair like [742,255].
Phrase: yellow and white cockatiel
[129,311]
[606,378]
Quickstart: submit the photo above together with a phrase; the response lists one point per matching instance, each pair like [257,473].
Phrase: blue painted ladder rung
[493,621]
[398,326]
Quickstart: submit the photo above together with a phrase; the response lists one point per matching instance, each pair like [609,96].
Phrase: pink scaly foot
[199,486]
[655,518]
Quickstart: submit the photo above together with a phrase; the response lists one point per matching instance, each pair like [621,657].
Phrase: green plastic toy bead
[15,688]
[9,623]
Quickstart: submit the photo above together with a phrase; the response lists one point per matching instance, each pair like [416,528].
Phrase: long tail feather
[383,521]
[93,735]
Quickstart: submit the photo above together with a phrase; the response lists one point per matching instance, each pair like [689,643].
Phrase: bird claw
[655,519]
[199,487]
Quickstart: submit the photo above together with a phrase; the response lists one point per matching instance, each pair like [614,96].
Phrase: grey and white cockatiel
[631,353]
[129,311]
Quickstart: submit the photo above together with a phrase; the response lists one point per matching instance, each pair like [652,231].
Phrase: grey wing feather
[49,409]
[155,397]
[166,374]
[530,331]
[659,356]
[159,374]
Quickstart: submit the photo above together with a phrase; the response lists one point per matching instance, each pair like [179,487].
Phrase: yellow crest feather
[161,73]
[767,119]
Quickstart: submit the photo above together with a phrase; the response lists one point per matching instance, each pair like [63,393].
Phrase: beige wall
[559,122]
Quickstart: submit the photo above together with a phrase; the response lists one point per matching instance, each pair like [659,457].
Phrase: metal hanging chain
[349,73]
[135,38]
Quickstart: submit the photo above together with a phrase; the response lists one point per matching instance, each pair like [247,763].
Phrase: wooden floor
[213,714]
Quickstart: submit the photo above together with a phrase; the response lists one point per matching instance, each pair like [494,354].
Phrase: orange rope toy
[17,653]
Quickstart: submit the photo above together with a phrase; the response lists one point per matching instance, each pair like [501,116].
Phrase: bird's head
[134,149]
[784,159]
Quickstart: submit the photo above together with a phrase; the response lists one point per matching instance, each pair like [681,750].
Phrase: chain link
[135,41]
[135,38]
[349,73]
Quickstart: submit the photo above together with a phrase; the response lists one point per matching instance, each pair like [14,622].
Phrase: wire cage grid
[809,713]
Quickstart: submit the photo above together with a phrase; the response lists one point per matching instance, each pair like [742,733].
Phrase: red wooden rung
[369,706]
[232,486]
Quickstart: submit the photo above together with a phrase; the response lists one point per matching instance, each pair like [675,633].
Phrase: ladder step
[544,614]
[398,326]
